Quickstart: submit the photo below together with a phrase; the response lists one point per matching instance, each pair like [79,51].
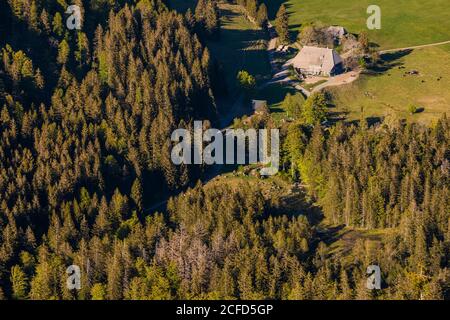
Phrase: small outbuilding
[259,106]
[337,32]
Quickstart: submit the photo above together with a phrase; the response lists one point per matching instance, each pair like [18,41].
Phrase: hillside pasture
[404,23]
[420,78]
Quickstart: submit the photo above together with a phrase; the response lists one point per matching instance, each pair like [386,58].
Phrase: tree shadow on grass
[330,235]
[229,14]
[420,110]
[294,31]
[272,9]
[336,116]
[241,50]
[393,56]
[273,6]
[274,95]
[371,121]
[387,62]
[373,45]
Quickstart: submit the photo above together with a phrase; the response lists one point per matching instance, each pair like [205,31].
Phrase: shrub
[412,109]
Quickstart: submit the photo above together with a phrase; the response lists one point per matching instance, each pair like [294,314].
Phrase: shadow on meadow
[387,62]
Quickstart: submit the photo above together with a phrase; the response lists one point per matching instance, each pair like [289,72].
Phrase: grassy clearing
[404,22]
[392,92]
[242,46]
[282,196]
[273,188]
[274,94]
[310,86]
[342,240]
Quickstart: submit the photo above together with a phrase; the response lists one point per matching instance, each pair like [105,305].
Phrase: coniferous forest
[86,119]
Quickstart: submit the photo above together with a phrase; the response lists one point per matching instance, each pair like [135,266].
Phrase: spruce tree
[282,25]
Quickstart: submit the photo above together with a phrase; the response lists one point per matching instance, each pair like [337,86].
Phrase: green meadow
[392,91]
[404,22]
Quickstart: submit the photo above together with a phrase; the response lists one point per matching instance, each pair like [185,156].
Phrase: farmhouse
[317,61]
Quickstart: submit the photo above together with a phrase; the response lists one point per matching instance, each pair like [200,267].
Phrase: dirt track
[338,80]
[415,47]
